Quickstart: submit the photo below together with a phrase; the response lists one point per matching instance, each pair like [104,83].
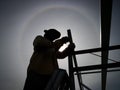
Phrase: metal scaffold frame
[106,12]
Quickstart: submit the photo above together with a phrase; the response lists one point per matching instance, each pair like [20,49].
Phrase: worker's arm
[58,43]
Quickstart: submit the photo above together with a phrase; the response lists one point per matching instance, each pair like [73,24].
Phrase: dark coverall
[44,62]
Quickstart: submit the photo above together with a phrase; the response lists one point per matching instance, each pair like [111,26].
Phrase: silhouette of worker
[44,59]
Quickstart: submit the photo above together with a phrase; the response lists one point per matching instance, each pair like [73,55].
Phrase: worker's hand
[65,39]
[71,46]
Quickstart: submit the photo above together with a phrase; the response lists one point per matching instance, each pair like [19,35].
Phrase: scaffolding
[106,11]
[99,67]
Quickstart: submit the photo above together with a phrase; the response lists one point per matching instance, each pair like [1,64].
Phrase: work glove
[65,39]
[71,46]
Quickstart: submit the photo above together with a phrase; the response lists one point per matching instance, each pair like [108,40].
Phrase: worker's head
[52,34]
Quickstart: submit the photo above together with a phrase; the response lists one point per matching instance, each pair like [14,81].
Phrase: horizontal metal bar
[116,70]
[96,50]
[95,67]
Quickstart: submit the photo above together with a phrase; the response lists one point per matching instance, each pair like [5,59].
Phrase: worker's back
[43,60]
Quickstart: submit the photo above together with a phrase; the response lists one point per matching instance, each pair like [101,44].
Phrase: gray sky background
[22,20]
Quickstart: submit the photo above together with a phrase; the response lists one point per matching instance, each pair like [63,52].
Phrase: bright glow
[64,47]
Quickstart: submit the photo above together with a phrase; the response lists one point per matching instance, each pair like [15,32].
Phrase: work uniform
[43,62]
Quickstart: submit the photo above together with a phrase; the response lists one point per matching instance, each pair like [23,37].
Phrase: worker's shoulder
[41,39]
[39,36]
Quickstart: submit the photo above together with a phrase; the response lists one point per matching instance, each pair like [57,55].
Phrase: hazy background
[22,20]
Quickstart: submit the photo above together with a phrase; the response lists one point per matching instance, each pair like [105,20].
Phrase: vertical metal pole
[75,62]
[106,10]
[71,73]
